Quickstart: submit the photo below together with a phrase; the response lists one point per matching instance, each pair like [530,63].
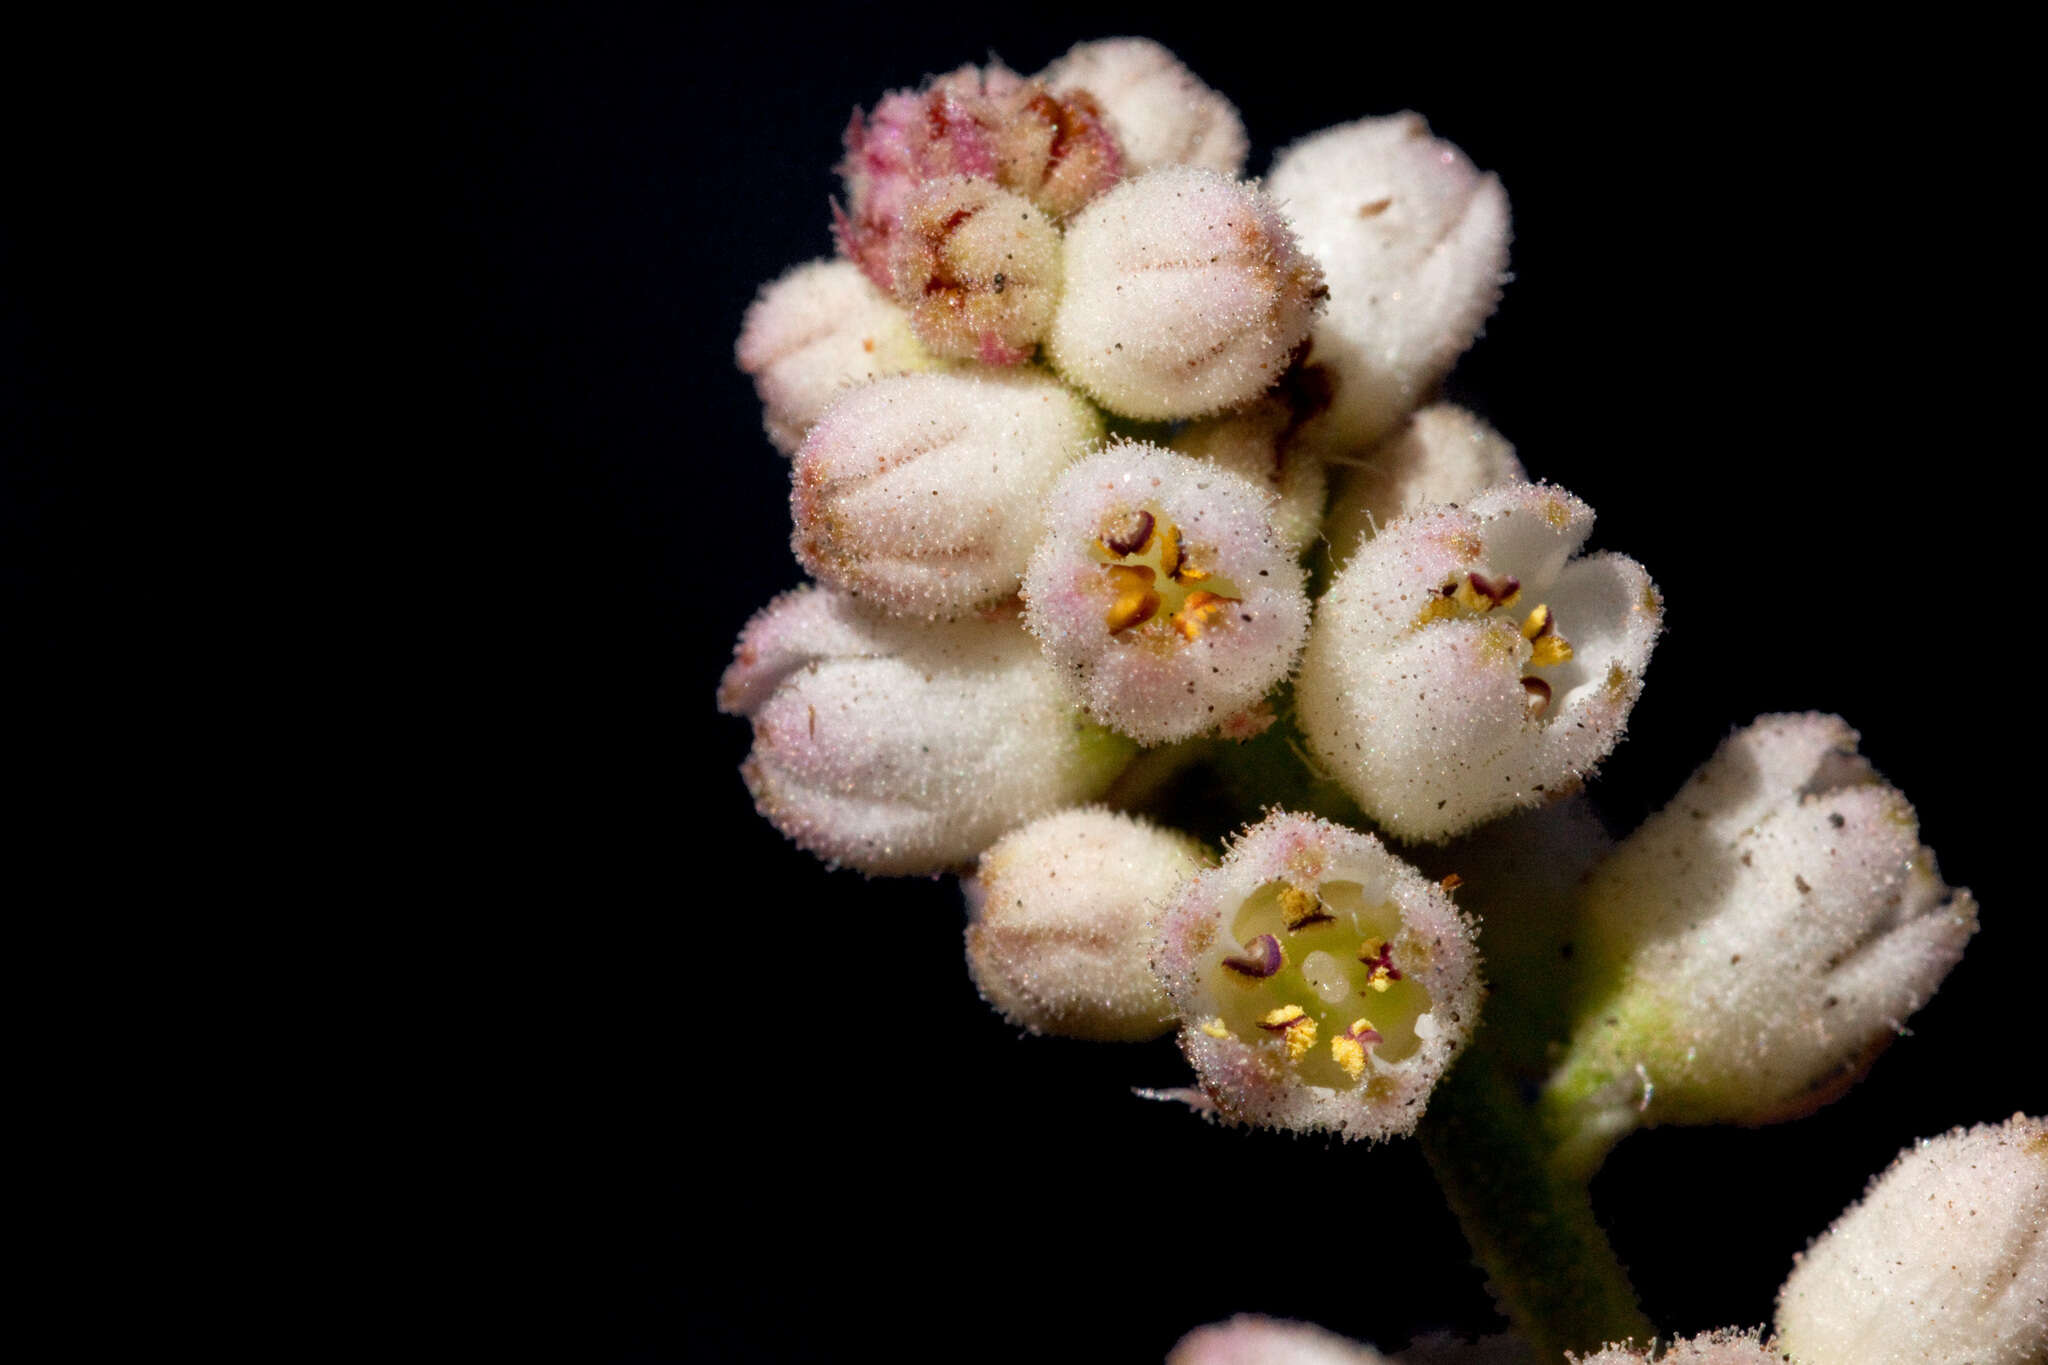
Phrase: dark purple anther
[1495,592]
[1263,957]
[1131,537]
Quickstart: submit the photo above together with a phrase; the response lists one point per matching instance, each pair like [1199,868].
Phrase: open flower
[1059,933]
[901,747]
[1946,1259]
[813,333]
[1413,242]
[1465,663]
[1161,112]
[920,493]
[1726,1347]
[1442,454]
[1745,953]
[1162,592]
[1322,983]
[1185,294]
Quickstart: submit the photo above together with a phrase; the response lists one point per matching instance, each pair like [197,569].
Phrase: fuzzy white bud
[1185,294]
[1945,1261]
[902,748]
[813,333]
[1161,112]
[1323,984]
[1443,454]
[1059,933]
[978,269]
[1464,663]
[1251,1340]
[1257,442]
[1162,593]
[1413,242]
[1746,952]
[921,494]
[1726,1347]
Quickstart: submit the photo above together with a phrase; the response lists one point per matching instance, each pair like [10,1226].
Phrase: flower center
[1476,595]
[1156,581]
[1321,975]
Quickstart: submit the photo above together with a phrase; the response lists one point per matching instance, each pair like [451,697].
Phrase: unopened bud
[1257,442]
[816,331]
[1464,663]
[1413,241]
[901,748]
[1162,593]
[1443,454]
[1746,952]
[1946,1259]
[1185,294]
[1161,112]
[1375,988]
[921,493]
[1059,934]
[978,269]
[1726,1347]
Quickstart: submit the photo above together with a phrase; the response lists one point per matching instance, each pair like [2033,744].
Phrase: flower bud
[1161,592]
[978,269]
[1251,1340]
[1725,1347]
[1413,242]
[985,123]
[814,332]
[901,748]
[1746,952]
[1059,933]
[921,494]
[1323,984]
[1946,1259]
[1464,663]
[1442,454]
[1185,294]
[1161,112]
[1257,441]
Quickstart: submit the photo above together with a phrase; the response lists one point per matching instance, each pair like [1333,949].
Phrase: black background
[781,1124]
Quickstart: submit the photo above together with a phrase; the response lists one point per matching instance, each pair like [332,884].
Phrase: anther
[1135,601]
[1295,1028]
[1130,537]
[1201,611]
[1299,909]
[1537,695]
[1347,1049]
[1263,957]
[1378,954]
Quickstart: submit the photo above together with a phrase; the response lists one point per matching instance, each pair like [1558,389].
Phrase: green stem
[1532,1229]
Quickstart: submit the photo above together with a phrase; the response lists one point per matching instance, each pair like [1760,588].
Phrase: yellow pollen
[1348,1053]
[1548,650]
[1436,609]
[1135,601]
[1299,907]
[1214,1027]
[1167,535]
[1537,622]
[1295,1028]
[1201,611]
[1473,600]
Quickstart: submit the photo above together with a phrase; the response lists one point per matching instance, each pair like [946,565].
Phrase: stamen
[1200,612]
[1130,537]
[1378,954]
[1548,650]
[1135,601]
[1295,1028]
[1347,1049]
[1538,695]
[1538,623]
[1263,957]
[1480,593]
[1215,1027]
[1299,909]
[1169,550]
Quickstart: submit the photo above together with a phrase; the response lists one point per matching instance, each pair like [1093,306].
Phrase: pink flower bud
[1257,441]
[1413,243]
[1162,593]
[1161,112]
[1442,454]
[1185,294]
[1726,1347]
[921,494]
[1059,934]
[1465,663]
[987,124]
[1946,1259]
[1376,987]
[900,748]
[978,269]
[820,329]
[1249,1340]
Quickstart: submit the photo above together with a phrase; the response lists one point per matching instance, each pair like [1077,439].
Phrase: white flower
[1726,1347]
[1465,663]
[1161,592]
[1059,933]
[905,747]
[1251,1340]
[920,494]
[1945,1262]
[1257,441]
[1442,454]
[1413,241]
[1749,948]
[1323,984]
[1185,294]
[1161,112]
[814,332]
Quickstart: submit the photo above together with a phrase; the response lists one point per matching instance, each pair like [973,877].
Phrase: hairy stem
[1531,1229]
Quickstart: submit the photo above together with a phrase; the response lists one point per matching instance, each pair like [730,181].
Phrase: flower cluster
[1108,467]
